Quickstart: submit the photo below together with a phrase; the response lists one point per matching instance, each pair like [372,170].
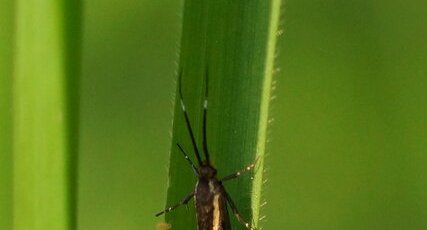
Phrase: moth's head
[207,172]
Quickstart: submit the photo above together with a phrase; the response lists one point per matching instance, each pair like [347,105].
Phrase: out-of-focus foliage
[129,53]
[44,92]
[6,36]
[348,143]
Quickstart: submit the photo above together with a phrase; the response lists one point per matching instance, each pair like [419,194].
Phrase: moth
[211,198]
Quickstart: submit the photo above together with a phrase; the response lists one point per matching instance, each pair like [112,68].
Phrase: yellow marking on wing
[216,213]
[211,187]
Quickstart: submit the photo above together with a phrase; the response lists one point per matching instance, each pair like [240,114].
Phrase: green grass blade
[234,42]
[45,117]
[275,11]
[6,36]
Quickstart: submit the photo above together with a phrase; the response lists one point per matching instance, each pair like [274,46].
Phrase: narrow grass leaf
[6,41]
[45,98]
[233,42]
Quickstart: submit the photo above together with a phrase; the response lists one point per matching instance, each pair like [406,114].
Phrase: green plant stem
[6,36]
[233,42]
[45,92]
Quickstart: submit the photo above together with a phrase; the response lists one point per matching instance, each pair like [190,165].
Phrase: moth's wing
[204,206]
[212,212]
[225,219]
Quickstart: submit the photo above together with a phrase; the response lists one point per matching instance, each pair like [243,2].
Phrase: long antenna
[187,120]
[188,160]
[205,110]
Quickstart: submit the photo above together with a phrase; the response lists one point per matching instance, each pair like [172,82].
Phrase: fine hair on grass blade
[233,43]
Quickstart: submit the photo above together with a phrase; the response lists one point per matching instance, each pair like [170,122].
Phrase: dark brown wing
[225,220]
[211,206]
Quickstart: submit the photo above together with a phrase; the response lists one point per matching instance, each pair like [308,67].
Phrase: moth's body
[210,196]
[211,203]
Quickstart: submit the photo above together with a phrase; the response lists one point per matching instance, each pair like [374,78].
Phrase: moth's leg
[185,200]
[237,213]
[239,173]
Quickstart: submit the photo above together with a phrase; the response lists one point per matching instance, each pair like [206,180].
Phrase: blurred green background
[348,145]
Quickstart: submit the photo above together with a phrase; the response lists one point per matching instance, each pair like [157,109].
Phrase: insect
[211,198]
